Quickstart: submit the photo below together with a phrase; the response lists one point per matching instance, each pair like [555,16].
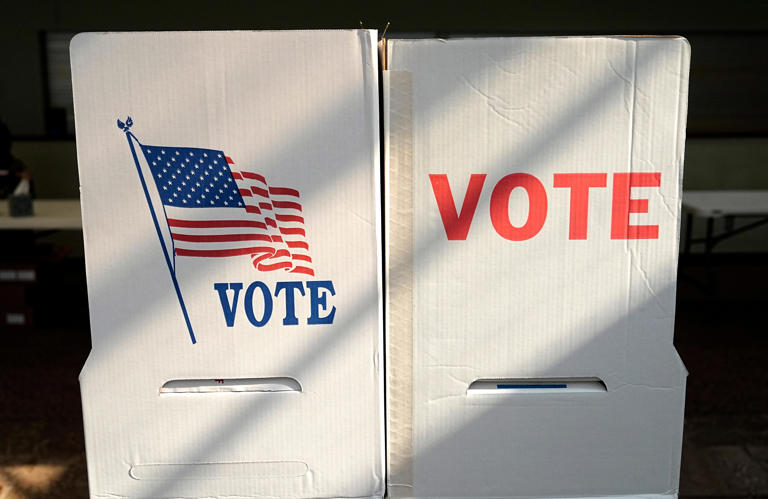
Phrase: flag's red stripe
[245,192]
[252,209]
[303,270]
[216,238]
[225,252]
[207,224]
[297,244]
[306,258]
[271,222]
[292,231]
[281,252]
[260,191]
[286,204]
[274,266]
[254,176]
[229,160]
[265,206]
[289,218]
[237,176]
[285,191]
[277,239]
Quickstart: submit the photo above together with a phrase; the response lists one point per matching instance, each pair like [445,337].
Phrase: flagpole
[125,127]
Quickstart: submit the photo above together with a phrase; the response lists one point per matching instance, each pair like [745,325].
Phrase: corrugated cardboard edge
[88,424]
[369,43]
[398,133]
[682,120]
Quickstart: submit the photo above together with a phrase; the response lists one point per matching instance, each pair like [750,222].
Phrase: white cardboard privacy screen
[231,233]
[533,206]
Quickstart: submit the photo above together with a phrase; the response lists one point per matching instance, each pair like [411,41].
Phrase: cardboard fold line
[211,471]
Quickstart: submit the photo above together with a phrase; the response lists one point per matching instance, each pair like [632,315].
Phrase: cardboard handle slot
[536,385]
[212,471]
[223,385]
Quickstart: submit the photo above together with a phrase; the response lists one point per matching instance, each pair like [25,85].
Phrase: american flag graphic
[214,209]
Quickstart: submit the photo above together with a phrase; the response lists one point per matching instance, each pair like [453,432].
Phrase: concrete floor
[721,334]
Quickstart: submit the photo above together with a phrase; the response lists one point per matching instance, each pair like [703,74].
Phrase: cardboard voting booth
[230,194]
[533,211]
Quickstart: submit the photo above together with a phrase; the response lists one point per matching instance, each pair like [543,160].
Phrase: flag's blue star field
[193,178]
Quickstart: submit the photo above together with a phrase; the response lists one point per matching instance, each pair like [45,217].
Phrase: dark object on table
[20,205]
[12,170]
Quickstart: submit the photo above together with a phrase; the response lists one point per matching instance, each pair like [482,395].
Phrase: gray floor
[722,336]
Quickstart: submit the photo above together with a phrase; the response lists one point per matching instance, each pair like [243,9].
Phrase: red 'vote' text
[457,222]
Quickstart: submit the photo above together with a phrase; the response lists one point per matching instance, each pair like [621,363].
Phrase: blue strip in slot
[510,387]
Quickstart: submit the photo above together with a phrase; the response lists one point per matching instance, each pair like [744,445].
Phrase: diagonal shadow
[309,131]
[565,129]
[359,311]
[450,454]
[473,443]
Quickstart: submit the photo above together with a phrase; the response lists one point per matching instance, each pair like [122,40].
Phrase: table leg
[709,243]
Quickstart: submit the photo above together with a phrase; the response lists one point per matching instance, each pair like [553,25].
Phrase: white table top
[61,214]
[725,203]
[64,214]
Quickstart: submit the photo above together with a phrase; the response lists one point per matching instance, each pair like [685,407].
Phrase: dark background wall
[728,90]
[728,112]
